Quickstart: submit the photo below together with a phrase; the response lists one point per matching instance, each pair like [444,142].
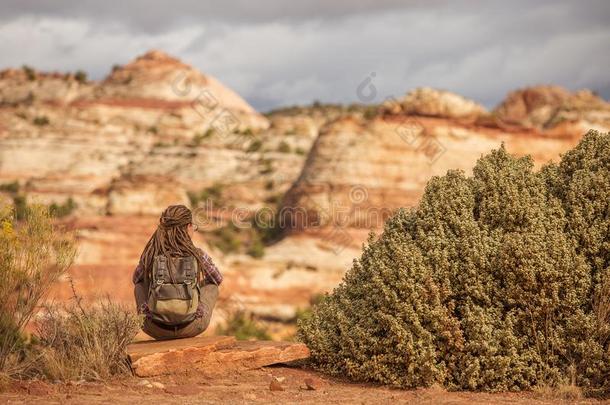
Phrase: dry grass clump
[499,281]
[85,343]
[563,392]
[33,255]
[72,342]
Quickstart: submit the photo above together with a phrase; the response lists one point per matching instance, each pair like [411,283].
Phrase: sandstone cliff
[157,132]
[155,121]
[360,170]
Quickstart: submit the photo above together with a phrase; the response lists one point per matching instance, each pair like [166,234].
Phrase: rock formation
[548,106]
[426,101]
[209,356]
[157,132]
[359,170]
[155,119]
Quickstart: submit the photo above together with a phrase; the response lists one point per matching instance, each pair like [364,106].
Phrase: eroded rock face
[153,118]
[431,102]
[548,106]
[27,86]
[143,196]
[359,171]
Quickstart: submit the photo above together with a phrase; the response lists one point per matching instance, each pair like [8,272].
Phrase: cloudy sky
[279,52]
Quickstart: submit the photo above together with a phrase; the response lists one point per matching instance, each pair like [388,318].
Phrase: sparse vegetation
[267,226]
[274,198]
[267,167]
[20,206]
[80,76]
[318,108]
[494,282]
[199,137]
[153,130]
[63,209]
[227,239]
[251,238]
[562,392]
[85,343]
[300,151]
[33,255]
[254,146]
[30,73]
[12,187]
[370,112]
[41,121]
[211,194]
[242,325]
[283,147]
[256,248]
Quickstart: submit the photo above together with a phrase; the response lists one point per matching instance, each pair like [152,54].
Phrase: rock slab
[209,356]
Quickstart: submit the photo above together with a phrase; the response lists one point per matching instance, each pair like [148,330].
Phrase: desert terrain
[284,199]
[156,132]
[253,386]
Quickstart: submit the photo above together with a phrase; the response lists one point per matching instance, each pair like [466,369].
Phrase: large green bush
[499,281]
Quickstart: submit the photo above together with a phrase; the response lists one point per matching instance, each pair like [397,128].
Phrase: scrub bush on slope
[494,282]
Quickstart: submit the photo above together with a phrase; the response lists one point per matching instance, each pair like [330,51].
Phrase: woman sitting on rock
[176,283]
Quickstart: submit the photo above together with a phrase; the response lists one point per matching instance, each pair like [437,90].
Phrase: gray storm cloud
[277,53]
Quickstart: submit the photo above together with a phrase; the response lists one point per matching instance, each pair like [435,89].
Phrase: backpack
[173,291]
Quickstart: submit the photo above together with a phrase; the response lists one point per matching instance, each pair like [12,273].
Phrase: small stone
[275,385]
[143,382]
[148,385]
[311,384]
[157,384]
[280,379]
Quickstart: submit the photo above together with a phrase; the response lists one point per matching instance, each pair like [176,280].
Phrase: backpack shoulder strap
[160,273]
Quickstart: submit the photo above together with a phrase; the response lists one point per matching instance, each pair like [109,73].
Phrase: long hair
[171,238]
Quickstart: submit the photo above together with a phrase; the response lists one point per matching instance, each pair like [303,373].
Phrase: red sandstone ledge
[209,355]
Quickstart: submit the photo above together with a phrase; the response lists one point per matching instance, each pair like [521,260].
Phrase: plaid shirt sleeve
[212,274]
[138,273]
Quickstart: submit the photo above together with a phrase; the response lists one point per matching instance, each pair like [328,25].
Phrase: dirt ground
[253,387]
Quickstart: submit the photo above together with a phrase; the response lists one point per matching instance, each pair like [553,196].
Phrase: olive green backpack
[173,291]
